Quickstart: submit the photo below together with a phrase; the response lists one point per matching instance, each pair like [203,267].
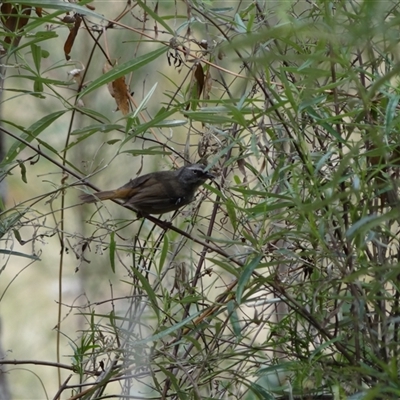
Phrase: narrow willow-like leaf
[103,128]
[226,266]
[148,290]
[35,38]
[60,5]
[260,392]
[164,251]
[208,117]
[230,208]
[391,112]
[123,69]
[112,251]
[36,55]
[168,331]
[160,116]
[31,133]
[234,319]
[245,276]
[144,102]
[18,254]
[153,151]
[240,26]
[170,123]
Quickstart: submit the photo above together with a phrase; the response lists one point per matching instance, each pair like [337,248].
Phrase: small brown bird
[157,192]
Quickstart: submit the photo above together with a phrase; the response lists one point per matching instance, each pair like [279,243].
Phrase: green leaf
[144,102]
[8,222]
[23,171]
[311,101]
[18,237]
[260,392]
[94,114]
[113,141]
[46,145]
[170,123]
[160,116]
[251,19]
[38,89]
[175,383]
[90,132]
[207,117]
[240,26]
[60,5]
[322,348]
[30,134]
[234,319]
[391,112]
[321,121]
[245,276]
[367,222]
[18,254]
[227,266]
[153,151]
[112,251]
[221,10]
[148,289]
[164,251]
[168,331]
[123,69]
[230,208]
[35,38]
[237,115]
[103,128]
[46,81]
[36,55]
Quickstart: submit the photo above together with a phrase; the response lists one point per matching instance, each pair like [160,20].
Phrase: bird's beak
[210,175]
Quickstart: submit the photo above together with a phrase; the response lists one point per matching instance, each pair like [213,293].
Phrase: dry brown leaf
[68,19]
[14,22]
[119,90]
[5,9]
[241,165]
[71,37]
[155,22]
[199,76]
[121,95]
[207,85]
[196,86]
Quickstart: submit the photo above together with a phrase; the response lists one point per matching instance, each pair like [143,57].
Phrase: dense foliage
[282,278]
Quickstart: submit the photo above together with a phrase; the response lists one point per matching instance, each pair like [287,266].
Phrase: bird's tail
[92,198]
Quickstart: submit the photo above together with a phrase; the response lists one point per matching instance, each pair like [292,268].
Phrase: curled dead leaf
[73,32]
[207,85]
[14,19]
[119,90]
[199,76]
[196,86]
